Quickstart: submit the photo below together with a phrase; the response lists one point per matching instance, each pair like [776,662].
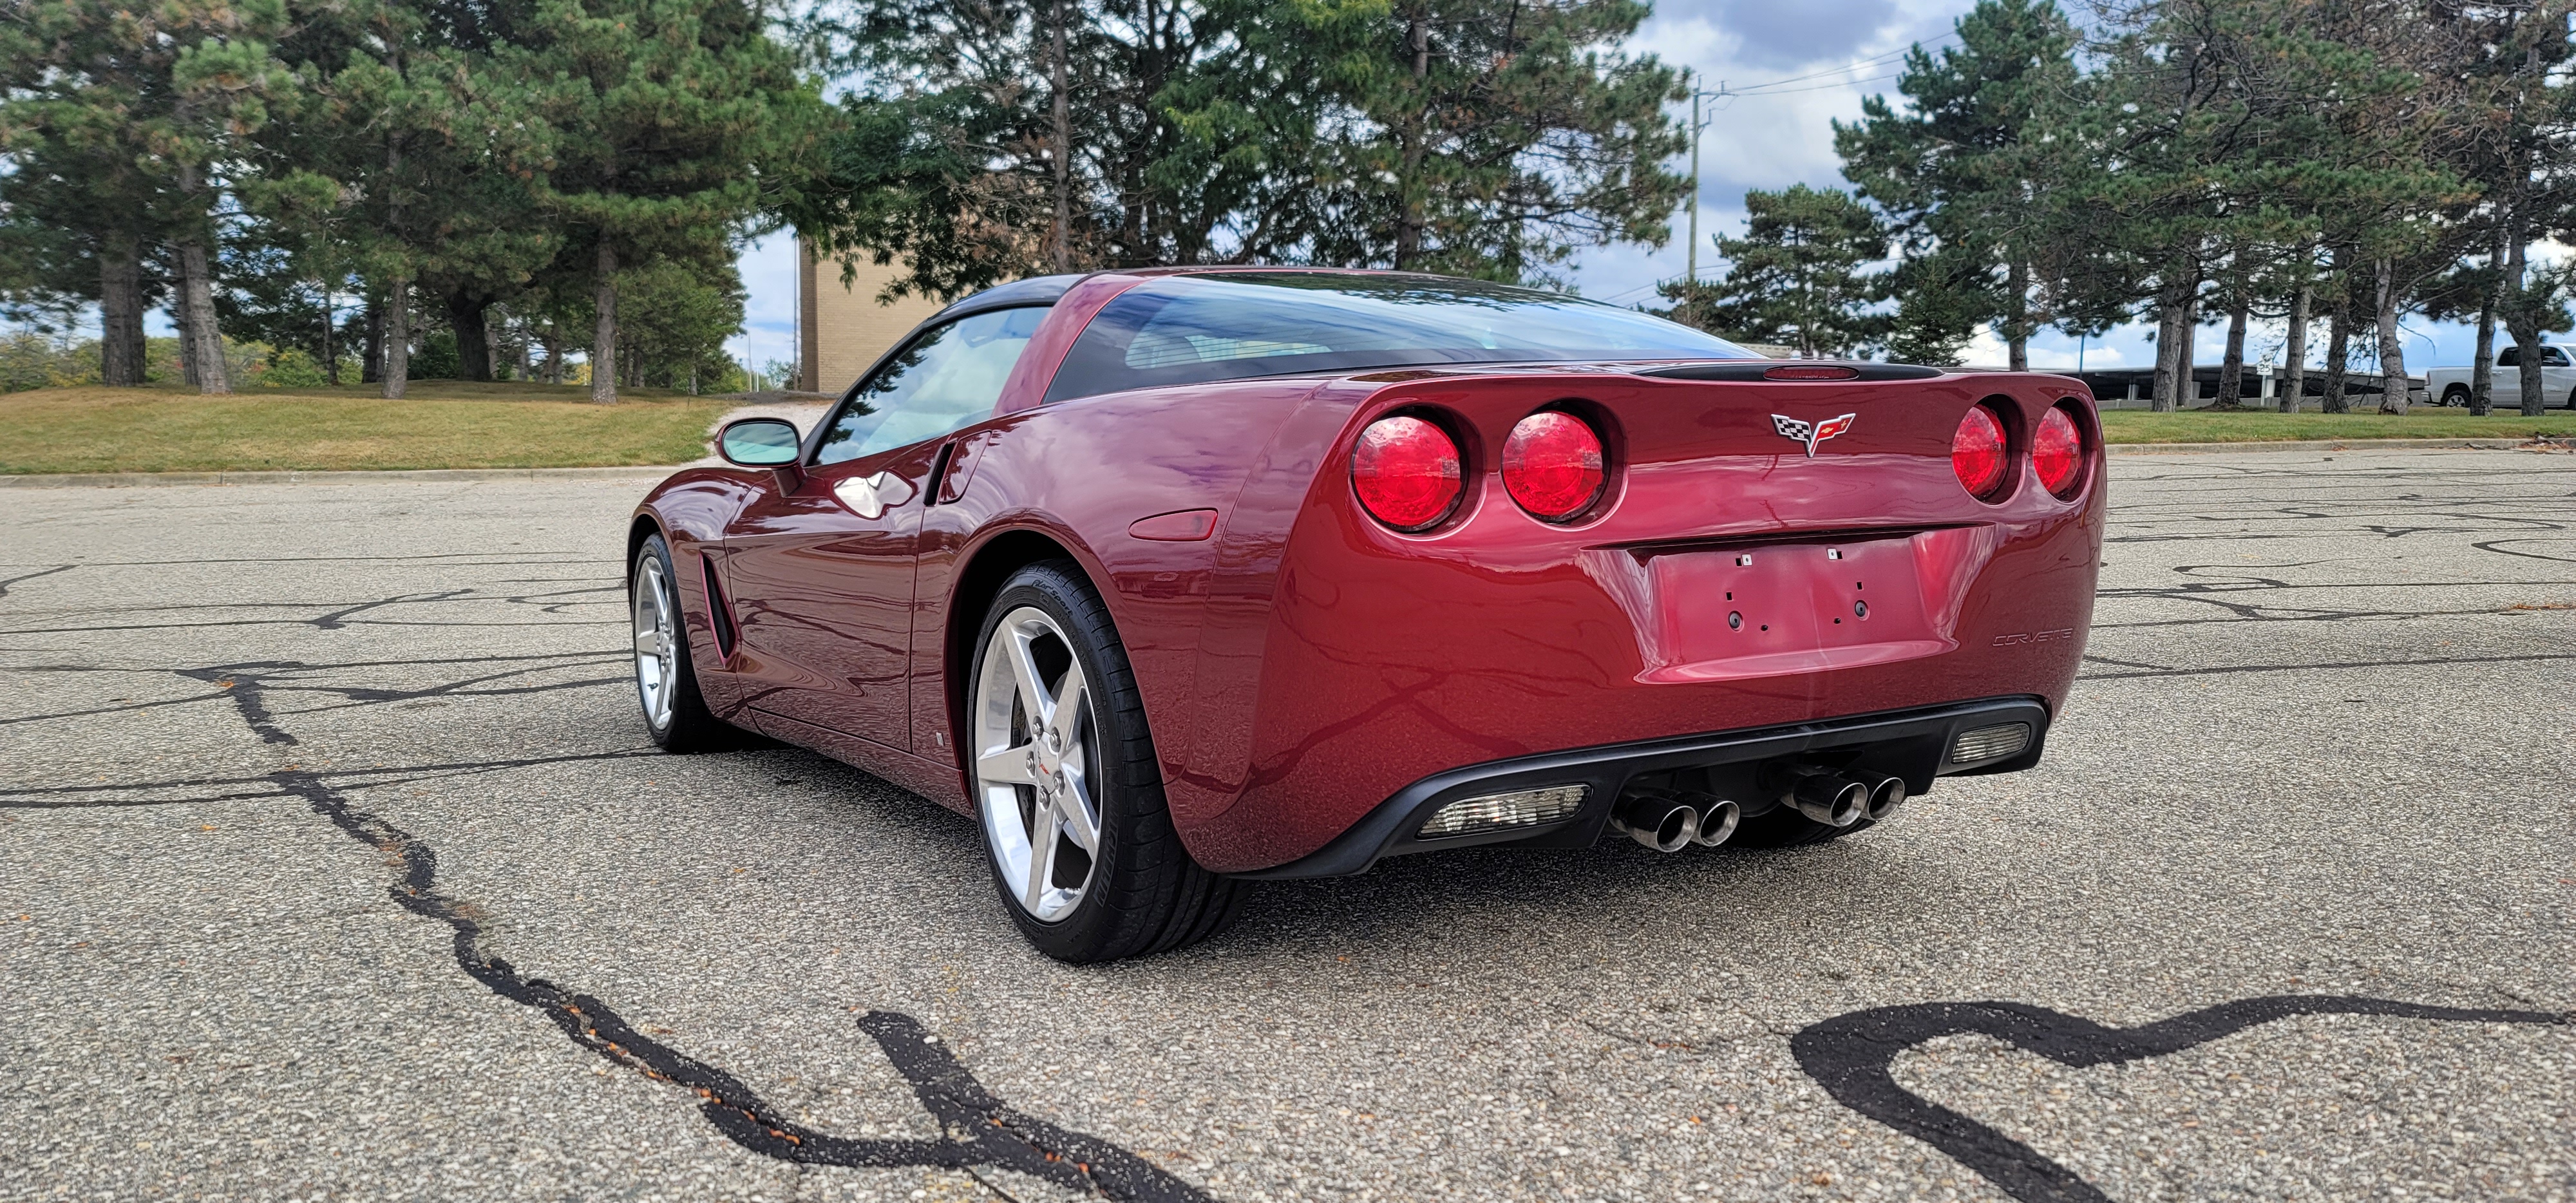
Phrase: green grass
[442,424]
[451,424]
[2202,426]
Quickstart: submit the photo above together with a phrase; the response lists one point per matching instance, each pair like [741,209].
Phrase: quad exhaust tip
[1830,798]
[1885,797]
[1717,820]
[1667,823]
[1663,823]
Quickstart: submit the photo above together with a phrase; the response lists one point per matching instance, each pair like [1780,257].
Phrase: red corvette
[1176,579]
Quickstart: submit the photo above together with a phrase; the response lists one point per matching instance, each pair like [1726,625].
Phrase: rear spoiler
[1791,369]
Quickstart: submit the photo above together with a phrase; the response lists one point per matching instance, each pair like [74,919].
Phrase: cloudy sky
[1798,65]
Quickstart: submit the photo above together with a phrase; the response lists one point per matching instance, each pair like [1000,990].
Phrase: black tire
[689,727]
[1145,895]
[2455,396]
[1783,827]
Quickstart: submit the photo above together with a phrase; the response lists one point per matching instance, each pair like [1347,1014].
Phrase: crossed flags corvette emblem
[1811,433]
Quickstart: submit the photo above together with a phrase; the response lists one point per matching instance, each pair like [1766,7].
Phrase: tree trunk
[2392,351]
[2294,355]
[2017,320]
[554,354]
[205,343]
[1062,152]
[1408,231]
[2188,390]
[473,341]
[2231,368]
[2526,335]
[120,313]
[2171,304]
[2338,354]
[603,343]
[397,303]
[397,374]
[371,357]
[179,318]
[2482,366]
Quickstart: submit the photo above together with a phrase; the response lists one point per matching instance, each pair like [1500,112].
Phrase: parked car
[2557,379]
[1176,580]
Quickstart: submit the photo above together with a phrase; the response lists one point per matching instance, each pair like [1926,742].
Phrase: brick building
[841,330]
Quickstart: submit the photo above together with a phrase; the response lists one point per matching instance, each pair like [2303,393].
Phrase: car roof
[1036,290]
[1047,290]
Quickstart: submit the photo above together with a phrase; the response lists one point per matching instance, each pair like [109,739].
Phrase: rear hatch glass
[1230,326]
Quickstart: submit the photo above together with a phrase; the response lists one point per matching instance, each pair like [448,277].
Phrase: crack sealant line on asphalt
[1851,1055]
[977,1129]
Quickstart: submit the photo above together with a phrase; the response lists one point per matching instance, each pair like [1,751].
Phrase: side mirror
[759,442]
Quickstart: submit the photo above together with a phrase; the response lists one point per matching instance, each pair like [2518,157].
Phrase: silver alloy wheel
[657,642]
[1034,742]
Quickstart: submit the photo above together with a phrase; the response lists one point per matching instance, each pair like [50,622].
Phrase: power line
[1854,65]
[1847,83]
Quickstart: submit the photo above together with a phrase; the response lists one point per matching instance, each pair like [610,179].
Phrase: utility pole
[1697,125]
[1693,259]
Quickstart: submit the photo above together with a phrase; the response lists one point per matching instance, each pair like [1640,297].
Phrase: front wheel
[666,681]
[1067,790]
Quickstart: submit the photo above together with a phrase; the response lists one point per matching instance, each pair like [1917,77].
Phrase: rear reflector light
[1977,453]
[1406,472]
[1498,812]
[1990,743]
[1552,465]
[2057,453]
[1811,372]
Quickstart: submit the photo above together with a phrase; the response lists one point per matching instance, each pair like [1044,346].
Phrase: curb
[2497,444]
[121,480]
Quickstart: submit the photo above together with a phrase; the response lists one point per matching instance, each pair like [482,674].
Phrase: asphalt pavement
[334,865]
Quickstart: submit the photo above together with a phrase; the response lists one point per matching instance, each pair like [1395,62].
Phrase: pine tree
[1795,278]
[678,121]
[1479,137]
[143,114]
[1962,169]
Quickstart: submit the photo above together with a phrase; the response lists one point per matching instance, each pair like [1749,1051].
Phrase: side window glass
[2510,357]
[2555,357]
[949,377]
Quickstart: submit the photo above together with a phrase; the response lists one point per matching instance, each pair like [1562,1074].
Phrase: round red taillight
[1406,472]
[1552,465]
[2057,453]
[1977,452]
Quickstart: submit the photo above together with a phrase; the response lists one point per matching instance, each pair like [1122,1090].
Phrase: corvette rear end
[1178,577]
[1691,604]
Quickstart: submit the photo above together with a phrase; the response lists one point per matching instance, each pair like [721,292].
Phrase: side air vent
[1990,743]
[1762,369]
[719,614]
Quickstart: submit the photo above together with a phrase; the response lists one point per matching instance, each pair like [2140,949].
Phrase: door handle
[872,496]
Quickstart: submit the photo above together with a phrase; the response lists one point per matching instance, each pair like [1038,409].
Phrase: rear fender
[1081,475]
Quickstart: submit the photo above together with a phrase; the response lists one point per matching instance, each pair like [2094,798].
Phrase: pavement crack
[1850,1056]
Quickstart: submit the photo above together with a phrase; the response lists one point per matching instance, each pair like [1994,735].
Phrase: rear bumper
[1913,744]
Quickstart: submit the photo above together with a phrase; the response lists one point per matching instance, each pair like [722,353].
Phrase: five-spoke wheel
[666,682]
[1066,785]
[657,639]
[1035,743]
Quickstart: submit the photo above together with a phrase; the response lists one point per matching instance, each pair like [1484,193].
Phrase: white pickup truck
[2557,379]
